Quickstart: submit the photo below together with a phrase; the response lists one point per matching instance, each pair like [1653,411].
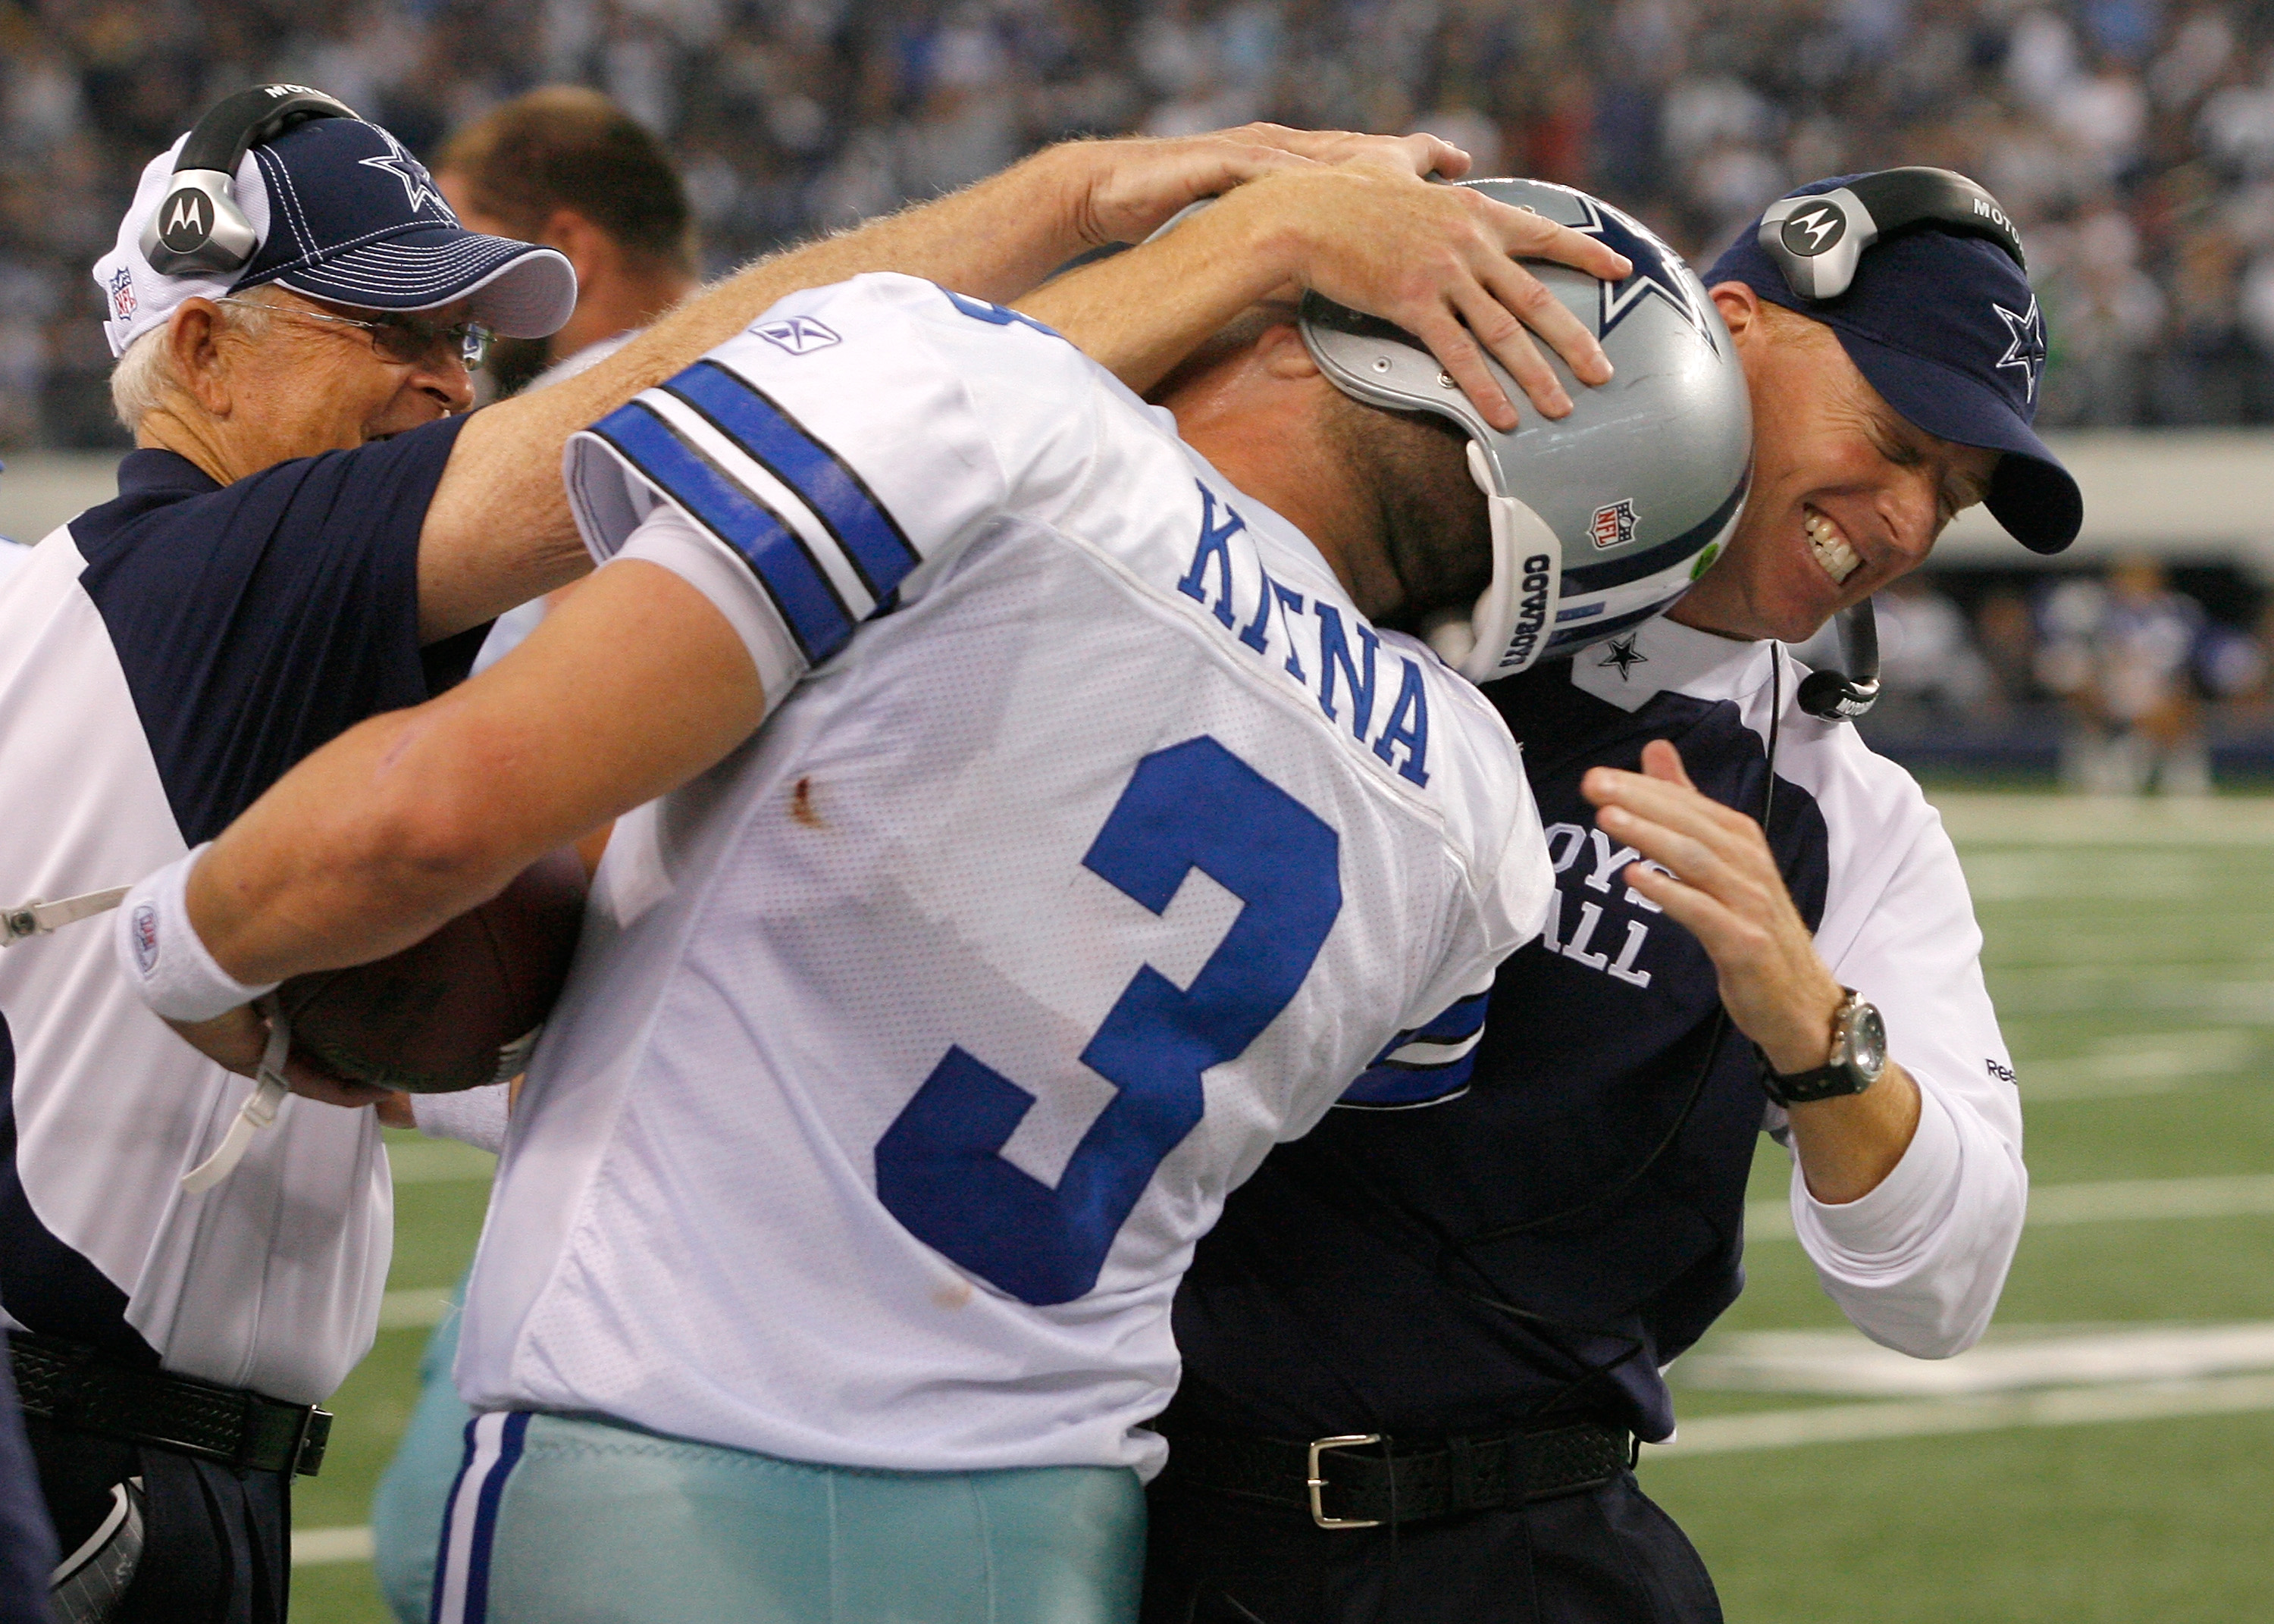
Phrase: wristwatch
[1859,1054]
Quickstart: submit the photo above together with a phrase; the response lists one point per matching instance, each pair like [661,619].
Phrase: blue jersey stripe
[1459,1021]
[800,590]
[873,543]
[1397,1085]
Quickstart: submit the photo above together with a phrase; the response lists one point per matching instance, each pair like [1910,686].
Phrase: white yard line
[2080,820]
[2245,1195]
[2012,1359]
[408,1309]
[313,1547]
[1834,1424]
[438,1162]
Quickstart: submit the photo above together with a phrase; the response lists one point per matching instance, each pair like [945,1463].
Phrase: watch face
[1867,1040]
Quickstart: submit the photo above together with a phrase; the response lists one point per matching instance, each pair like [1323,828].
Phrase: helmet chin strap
[1507,626]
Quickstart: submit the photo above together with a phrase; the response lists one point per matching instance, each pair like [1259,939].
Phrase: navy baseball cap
[346,214]
[1948,331]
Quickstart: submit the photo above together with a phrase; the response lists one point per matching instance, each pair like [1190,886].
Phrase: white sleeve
[827,466]
[1917,1264]
[473,1116]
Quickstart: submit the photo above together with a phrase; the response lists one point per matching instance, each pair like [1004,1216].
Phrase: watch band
[1841,1074]
[1826,1082]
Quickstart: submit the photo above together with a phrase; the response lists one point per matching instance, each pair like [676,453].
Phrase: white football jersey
[1101,845]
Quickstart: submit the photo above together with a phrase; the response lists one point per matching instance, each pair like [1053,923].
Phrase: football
[457,1010]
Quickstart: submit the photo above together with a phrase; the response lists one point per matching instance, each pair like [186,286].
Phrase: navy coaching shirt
[165,659]
[1470,1267]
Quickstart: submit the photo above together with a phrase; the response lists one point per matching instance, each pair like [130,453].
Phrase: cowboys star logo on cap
[1656,272]
[418,184]
[2026,346]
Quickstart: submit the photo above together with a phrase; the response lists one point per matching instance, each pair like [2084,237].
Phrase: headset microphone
[199,226]
[1833,696]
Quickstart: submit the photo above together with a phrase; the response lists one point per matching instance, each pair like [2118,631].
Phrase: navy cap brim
[519,290]
[2031,494]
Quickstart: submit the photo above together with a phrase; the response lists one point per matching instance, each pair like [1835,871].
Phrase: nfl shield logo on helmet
[1615,524]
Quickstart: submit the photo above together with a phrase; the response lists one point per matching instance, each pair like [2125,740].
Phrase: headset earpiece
[199,227]
[1818,238]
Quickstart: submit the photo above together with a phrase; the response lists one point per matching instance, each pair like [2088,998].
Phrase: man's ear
[194,334]
[583,245]
[1281,351]
[1740,307]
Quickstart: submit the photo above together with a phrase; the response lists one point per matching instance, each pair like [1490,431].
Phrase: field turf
[2131,953]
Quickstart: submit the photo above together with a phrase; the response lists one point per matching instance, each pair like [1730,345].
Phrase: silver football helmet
[1602,519]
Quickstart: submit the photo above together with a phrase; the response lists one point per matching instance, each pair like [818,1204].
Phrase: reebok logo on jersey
[146,939]
[798,334]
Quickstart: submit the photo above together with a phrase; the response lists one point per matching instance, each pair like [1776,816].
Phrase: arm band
[162,956]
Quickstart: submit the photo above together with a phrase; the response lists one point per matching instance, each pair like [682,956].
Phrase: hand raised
[1726,889]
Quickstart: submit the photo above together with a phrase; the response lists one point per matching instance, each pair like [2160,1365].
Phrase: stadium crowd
[2133,138]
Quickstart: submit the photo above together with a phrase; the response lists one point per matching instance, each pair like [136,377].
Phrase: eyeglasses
[406,339]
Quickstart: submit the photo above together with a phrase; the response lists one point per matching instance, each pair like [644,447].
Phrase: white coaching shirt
[164,658]
[908,1050]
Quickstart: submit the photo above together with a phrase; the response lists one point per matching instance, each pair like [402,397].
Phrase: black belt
[77,1388]
[1365,1480]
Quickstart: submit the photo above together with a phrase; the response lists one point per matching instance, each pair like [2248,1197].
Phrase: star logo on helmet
[1622,653]
[2026,345]
[1657,272]
[418,184]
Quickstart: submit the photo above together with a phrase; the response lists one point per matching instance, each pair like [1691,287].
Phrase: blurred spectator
[2133,138]
[2124,654]
[567,167]
[1930,671]
[2006,634]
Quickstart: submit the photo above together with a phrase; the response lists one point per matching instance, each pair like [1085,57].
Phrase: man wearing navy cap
[1417,1351]
[312,530]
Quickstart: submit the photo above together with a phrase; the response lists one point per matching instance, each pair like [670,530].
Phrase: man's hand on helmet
[1353,216]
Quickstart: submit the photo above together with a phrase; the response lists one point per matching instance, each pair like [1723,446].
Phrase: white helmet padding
[1600,519]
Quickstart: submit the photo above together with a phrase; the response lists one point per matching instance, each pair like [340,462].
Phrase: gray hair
[142,378]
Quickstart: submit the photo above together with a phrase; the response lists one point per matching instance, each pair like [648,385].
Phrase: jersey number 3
[1194,805]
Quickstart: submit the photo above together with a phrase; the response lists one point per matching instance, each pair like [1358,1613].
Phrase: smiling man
[1417,1351]
[314,529]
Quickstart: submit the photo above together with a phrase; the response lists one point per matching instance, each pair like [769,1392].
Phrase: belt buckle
[309,1439]
[1316,1484]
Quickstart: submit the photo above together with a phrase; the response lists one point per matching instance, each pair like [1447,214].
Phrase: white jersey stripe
[760,484]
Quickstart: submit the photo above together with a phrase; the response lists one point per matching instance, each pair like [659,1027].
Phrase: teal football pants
[406,1511]
[564,1520]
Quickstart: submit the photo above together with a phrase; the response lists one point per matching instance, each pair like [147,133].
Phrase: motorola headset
[199,228]
[1817,240]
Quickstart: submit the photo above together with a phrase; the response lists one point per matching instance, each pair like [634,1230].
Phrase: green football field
[2108,1455]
